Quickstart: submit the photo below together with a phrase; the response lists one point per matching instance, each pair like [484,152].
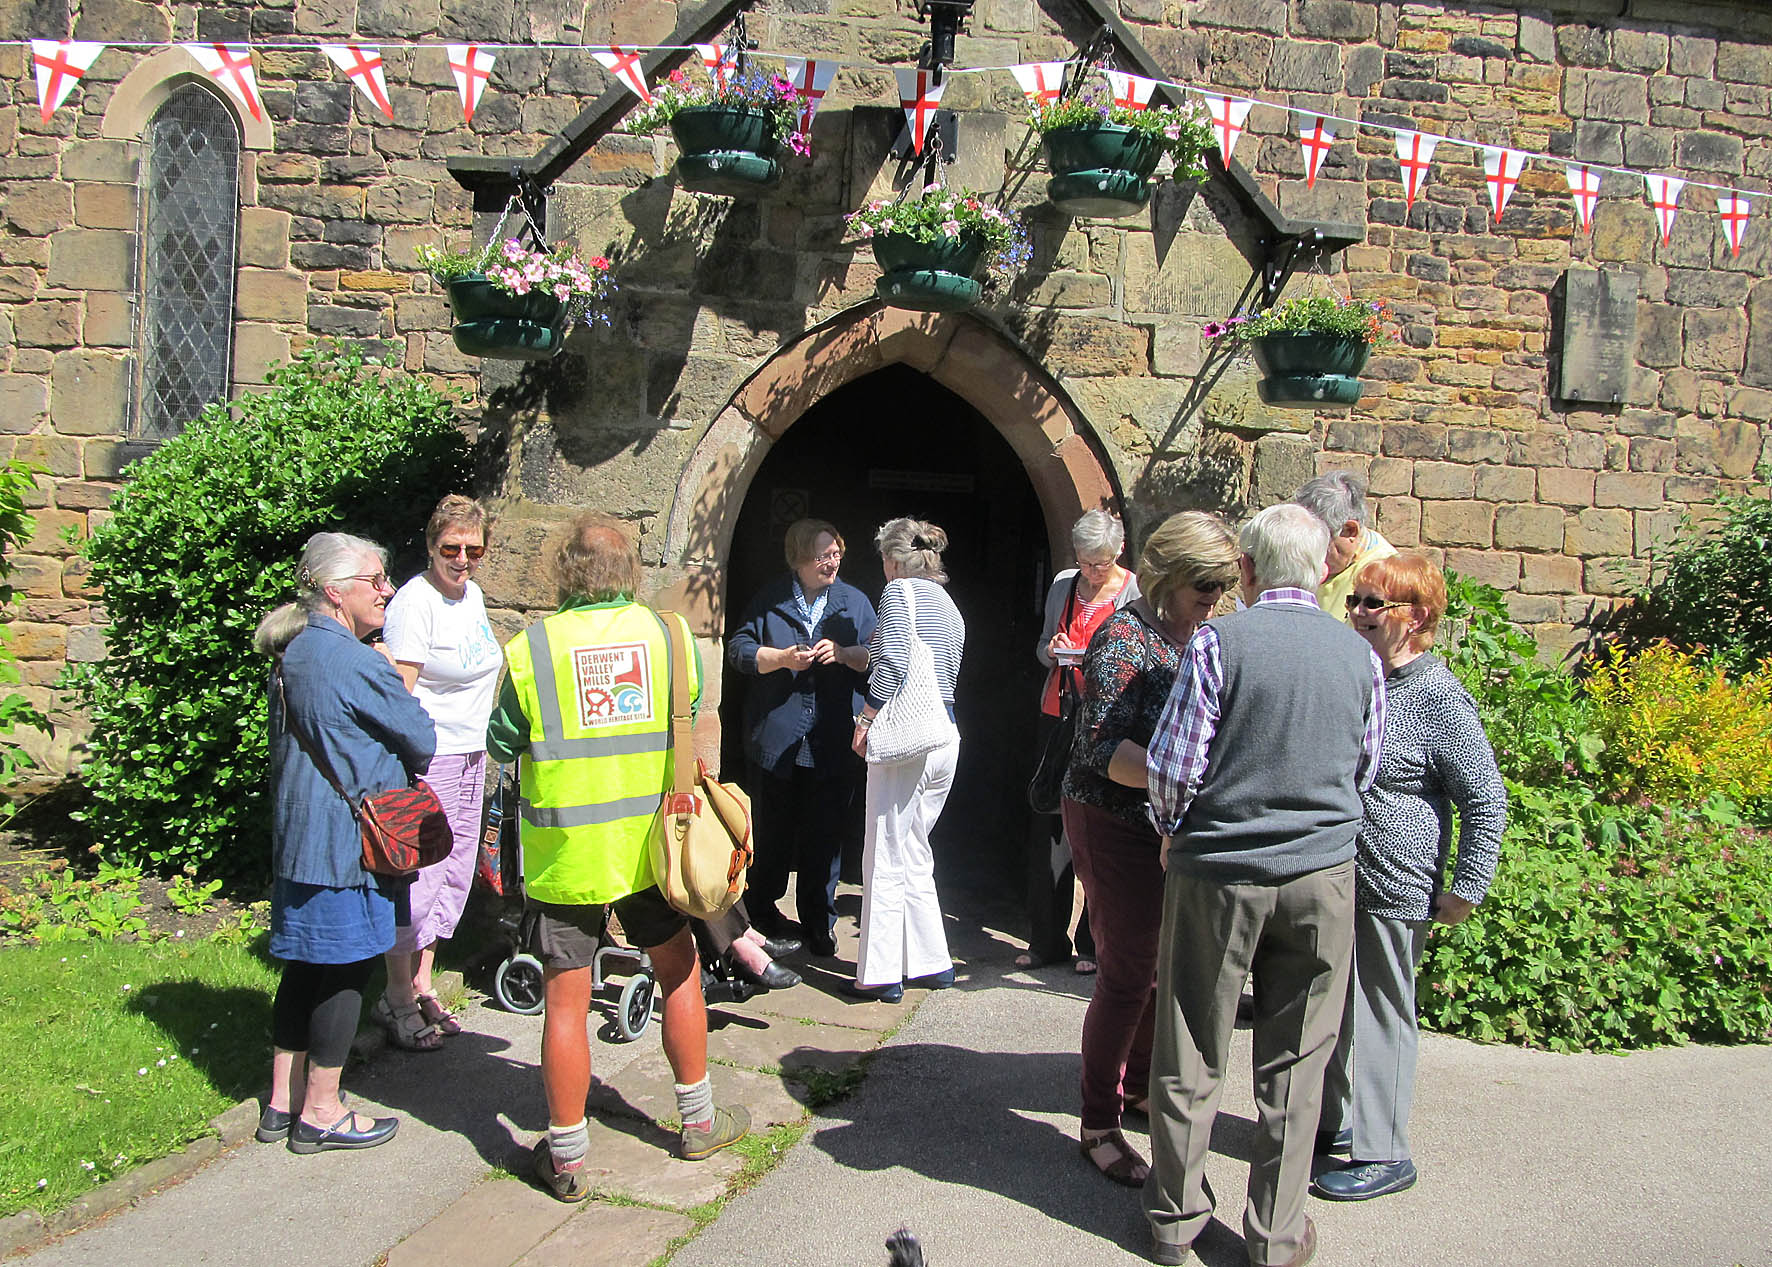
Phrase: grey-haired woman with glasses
[338,711]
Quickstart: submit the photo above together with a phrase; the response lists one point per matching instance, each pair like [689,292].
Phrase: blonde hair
[456,511]
[596,560]
[915,546]
[802,535]
[1192,546]
[327,559]
[1409,576]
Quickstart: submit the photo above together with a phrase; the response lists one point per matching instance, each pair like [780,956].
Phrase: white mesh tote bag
[914,722]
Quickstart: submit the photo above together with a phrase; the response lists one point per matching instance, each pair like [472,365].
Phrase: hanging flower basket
[492,322]
[1101,169]
[1304,371]
[726,149]
[937,276]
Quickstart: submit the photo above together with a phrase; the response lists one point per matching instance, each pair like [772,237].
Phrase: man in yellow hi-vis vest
[585,706]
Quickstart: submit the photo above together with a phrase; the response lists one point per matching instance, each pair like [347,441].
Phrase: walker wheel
[634,1012]
[518,985]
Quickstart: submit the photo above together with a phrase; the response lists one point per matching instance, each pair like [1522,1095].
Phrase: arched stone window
[190,217]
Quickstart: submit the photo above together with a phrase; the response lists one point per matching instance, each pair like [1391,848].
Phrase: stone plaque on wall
[1599,334]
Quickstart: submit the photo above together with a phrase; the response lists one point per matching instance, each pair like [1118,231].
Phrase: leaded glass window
[189,214]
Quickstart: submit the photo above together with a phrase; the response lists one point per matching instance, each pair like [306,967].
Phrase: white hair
[1335,497]
[1288,546]
[328,558]
[1097,532]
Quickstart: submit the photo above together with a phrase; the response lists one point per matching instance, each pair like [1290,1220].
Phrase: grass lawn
[116,1053]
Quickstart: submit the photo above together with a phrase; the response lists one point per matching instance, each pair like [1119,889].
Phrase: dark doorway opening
[898,443]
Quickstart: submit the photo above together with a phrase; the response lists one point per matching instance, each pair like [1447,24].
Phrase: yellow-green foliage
[1677,729]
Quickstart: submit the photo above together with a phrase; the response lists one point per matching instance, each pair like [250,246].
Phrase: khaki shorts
[567,937]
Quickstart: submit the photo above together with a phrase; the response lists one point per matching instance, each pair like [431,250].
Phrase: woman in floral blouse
[1187,566]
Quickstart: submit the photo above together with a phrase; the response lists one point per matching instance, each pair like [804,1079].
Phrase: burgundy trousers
[1122,877]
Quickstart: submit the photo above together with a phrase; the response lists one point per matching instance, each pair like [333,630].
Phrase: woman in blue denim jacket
[330,919]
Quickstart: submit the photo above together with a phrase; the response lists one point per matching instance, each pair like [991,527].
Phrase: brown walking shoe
[728,1126]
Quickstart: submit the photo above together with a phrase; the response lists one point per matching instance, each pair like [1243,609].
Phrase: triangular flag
[624,64]
[1415,150]
[919,97]
[721,61]
[1041,82]
[1131,92]
[1229,114]
[1584,187]
[1314,134]
[472,67]
[60,63]
[811,80]
[230,66]
[1735,211]
[1664,196]
[1502,168]
[362,66]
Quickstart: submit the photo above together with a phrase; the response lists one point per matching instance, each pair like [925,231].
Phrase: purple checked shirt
[1177,757]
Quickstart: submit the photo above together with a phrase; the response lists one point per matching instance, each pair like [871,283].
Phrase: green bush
[1713,590]
[1612,927]
[16,479]
[202,542]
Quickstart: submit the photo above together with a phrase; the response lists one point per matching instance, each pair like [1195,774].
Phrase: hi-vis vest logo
[614,684]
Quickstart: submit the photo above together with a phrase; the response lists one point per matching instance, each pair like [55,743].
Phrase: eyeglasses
[832,555]
[1210,587]
[455,551]
[377,580]
[1371,603]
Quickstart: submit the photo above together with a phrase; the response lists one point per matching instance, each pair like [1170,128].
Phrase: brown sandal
[1124,1166]
[437,1016]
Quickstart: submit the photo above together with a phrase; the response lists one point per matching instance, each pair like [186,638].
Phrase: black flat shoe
[1363,1180]
[316,1139]
[933,981]
[892,993]
[781,947]
[774,977]
[273,1126]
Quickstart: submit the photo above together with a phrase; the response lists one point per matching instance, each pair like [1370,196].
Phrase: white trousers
[901,928]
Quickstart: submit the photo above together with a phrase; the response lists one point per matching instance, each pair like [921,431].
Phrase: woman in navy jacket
[804,637]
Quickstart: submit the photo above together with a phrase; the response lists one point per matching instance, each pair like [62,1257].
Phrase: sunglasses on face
[1371,603]
[455,551]
[377,580]
[1210,587]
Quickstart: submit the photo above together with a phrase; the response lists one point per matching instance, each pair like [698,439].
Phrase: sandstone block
[1530,609]
[257,348]
[1609,576]
[36,575]
[1618,488]
[1527,527]
[1715,339]
[83,495]
[1390,477]
[399,201]
[1594,533]
[30,641]
[1505,483]
[1414,440]
[89,394]
[264,237]
[272,295]
[1458,523]
[85,644]
[1399,520]
[92,259]
[110,320]
[1500,568]
[105,207]
[1617,97]
[1743,63]
[38,208]
[1334,20]
[1549,574]
[1476,444]
[1442,481]
[53,530]
[1655,529]
[1279,465]
[24,399]
[1079,347]
[48,323]
[17,284]
[1648,453]
[1565,487]
[374,279]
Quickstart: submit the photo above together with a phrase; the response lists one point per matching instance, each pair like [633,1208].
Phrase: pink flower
[799,143]
[951,228]
[1173,131]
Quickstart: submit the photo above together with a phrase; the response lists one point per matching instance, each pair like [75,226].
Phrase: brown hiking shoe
[570,1186]
[727,1127]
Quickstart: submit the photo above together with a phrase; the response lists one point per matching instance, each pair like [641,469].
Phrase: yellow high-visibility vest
[594,683]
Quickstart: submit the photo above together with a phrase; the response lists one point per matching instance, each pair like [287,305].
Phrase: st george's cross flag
[919,97]
[811,80]
[1415,151]
[721,61]
[362,66]
[1131,92]
[623,61]
[1040,82]
[1501,169]
[1734,211]
[1229,114]
[472,67]
[1316,137]
[229,66]
[59,65]
[1584,187]
[1664,196]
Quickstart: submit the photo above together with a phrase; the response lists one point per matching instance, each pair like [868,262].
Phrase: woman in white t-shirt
[443,646]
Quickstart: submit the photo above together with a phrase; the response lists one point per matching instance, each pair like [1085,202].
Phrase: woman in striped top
[901,926]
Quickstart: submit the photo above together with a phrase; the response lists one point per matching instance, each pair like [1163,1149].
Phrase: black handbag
[1047,786]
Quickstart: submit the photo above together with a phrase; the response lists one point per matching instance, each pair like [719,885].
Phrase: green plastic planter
[727,150]
[1101,170]
[1304,371]
[929,276]
[492,322]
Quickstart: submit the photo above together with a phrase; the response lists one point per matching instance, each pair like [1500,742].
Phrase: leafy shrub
[202,543]
[1611,927]
[1714,590]
[1679,730]
[1539,722]
[16,479]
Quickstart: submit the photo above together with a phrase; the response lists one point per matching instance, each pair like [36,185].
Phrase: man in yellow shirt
[585,708]
[1338,498]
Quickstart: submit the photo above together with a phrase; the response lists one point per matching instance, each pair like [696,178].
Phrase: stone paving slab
[602,1235]
[635,1159]
[772,1043]
[488,1226]
[817,1000]
[645,1090]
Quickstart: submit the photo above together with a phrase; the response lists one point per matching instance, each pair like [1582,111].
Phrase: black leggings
[317,1008]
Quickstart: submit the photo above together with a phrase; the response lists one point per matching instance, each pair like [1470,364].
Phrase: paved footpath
[964,1129]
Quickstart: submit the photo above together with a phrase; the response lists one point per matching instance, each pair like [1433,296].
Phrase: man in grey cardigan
[1256,768]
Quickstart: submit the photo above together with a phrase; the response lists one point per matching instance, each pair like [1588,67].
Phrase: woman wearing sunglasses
[1132,662]
[1435,757]
[442,644]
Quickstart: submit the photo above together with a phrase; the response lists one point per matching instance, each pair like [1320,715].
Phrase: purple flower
[1212,329]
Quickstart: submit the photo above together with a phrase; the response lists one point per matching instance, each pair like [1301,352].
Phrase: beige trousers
[1296,939]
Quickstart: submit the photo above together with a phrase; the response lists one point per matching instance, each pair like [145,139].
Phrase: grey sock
[569,1144]
[695,1102]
